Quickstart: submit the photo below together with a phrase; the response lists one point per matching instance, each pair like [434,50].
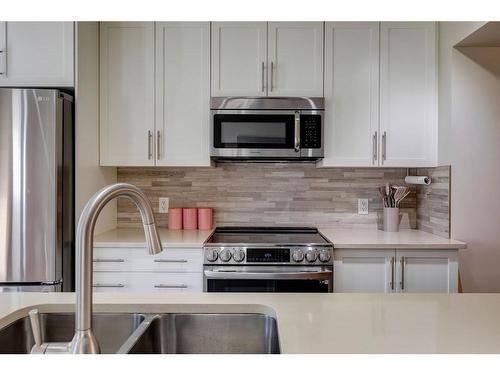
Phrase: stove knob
[225,255]
[238,255]
[212,255]
[311,255]
[298,255]
[324,255]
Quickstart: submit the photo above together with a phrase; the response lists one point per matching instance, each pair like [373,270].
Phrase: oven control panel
[293,255]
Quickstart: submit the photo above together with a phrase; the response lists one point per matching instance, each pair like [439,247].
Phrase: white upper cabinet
[351,94]
[37,54]
[427,271]
[239,58]
[182,93]
[260,59]
[295,59]
[127,94]
[408,121]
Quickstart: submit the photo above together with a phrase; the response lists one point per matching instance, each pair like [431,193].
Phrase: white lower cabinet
[134,270]
[395,271]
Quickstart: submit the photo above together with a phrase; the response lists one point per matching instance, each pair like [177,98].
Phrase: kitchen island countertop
[319,323]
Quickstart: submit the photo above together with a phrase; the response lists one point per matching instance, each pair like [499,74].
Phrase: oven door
[270,279]
[255,134]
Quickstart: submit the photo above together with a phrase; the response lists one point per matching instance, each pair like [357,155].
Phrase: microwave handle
[228,275]
[297,132]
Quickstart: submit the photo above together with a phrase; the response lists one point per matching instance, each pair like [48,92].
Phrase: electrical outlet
[362,206]
[163,207]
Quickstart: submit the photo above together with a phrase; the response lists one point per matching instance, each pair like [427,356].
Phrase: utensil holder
[392,218]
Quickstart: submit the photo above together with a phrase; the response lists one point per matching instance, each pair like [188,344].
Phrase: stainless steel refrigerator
[36,190]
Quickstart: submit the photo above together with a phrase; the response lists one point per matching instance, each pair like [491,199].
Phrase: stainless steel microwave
[266,128]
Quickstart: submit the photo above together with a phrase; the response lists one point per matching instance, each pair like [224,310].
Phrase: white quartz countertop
[319,323]
[135,238]
[378,239]
[341,239]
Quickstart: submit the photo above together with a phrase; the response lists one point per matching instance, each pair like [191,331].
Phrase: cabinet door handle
[109,260]
[119,285]
[170,261]
[384,146]
[272,76]
[5,64]
[171,286]
[374,145]
[263,77]
[392,272]
[158,144]
[150,138]
[402,282]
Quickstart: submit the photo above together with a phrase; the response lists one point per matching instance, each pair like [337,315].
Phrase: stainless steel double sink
[178,333]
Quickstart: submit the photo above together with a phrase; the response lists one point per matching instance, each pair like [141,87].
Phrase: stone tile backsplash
[289,194]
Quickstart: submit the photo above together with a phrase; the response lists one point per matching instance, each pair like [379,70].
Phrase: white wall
[450,33]
[89,176]
[475,160]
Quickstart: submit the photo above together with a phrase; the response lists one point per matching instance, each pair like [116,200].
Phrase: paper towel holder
[416,180]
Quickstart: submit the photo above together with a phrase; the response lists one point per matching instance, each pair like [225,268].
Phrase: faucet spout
[84,340]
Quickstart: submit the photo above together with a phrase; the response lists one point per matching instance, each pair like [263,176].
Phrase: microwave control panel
[310,131]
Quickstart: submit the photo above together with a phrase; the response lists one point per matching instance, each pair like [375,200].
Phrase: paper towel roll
[418,180]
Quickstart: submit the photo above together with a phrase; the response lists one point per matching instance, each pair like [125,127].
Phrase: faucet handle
[36,329]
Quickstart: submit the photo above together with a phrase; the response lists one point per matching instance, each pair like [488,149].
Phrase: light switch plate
[163,206]
[362,206]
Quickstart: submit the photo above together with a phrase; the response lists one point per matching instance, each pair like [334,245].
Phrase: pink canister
[204,218]
[175,218]
[190,218]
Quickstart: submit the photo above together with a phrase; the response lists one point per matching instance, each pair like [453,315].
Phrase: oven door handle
[228,275]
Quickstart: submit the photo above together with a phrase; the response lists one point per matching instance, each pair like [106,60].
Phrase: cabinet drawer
[139,260]
[147,282]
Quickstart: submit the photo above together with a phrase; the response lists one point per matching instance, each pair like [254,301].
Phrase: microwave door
[260,134]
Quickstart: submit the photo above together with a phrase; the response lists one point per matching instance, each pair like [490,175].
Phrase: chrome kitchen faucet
[84,341]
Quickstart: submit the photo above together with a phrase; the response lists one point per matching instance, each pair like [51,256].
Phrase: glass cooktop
[267,235]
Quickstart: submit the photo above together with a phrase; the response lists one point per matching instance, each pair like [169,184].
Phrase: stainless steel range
[268,259]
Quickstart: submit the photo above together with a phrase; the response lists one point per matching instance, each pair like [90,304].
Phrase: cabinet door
[37,54]
[239,58]
[351,94]
[127,93]
[427,271]
[295,51]
[182,93]
[408,122]
[363,271]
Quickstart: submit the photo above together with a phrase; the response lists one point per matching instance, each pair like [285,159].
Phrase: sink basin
[111,330]
[208,334]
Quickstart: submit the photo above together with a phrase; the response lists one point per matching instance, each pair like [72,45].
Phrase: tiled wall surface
[433,201]
[277,194]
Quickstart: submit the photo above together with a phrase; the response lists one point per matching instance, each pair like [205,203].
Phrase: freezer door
[30,288]
[30,185]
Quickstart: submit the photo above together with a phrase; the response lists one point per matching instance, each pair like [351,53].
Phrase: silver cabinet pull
[150,138]
[297,132]
[402,282]
[374,145]
[171,286]
[2,73]
[108,260]
[272,75]
[98,285]
[158,144]
[170,261]
[392,272]
[263,77]
[384,146]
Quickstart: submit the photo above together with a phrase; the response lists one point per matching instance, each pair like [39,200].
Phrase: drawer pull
[109,285]
[109,260]
[171,261]
[171,286]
